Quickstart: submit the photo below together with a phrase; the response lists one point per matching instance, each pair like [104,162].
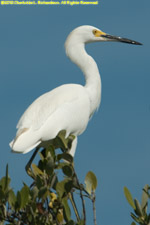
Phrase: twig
[83,206]
[53,180]
[74,206]
[94,208]
[82,199]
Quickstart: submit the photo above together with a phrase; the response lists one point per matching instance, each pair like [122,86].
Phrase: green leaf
[41,156]
[53,181]
[135,218]
[61,165]
[71,222]
[62,139]
[4,183]
[129,197]
[50,166]
[76,183]
[43,192]
[36,170]
[60,187]
[24,196]
[133,223]
[52,151]
[12,199]
[144,201]
[65,156]
[34,192]
[138,208]
[62,142]
[67,170]
[90,182]
[7,180]
[18,200]
[39,182]
[68,186]
[67,209]
[81,222]
[2,194]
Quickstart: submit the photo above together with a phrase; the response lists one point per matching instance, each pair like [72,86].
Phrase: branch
[81,196]
[94,208]
[74,206]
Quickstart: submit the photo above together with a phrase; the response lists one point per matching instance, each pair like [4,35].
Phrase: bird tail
[24,141]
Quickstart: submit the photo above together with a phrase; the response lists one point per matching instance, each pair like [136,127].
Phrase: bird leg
[65,144]
[28,166]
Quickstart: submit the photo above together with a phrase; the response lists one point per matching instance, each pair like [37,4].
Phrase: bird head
[87,34]
[76,40]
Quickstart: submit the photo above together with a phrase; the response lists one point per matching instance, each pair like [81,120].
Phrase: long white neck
[88,66]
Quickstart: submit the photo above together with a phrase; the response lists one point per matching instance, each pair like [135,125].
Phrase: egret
[68,107]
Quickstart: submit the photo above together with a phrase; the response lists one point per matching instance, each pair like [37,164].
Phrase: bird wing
[44,106]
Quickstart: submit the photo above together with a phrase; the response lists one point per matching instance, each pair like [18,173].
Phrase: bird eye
[94,32]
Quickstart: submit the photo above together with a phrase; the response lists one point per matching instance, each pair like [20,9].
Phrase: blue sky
[116,144]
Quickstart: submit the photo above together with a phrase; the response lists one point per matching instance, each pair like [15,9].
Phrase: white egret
[70,106]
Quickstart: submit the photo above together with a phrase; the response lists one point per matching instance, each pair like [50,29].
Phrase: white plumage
[68,107]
